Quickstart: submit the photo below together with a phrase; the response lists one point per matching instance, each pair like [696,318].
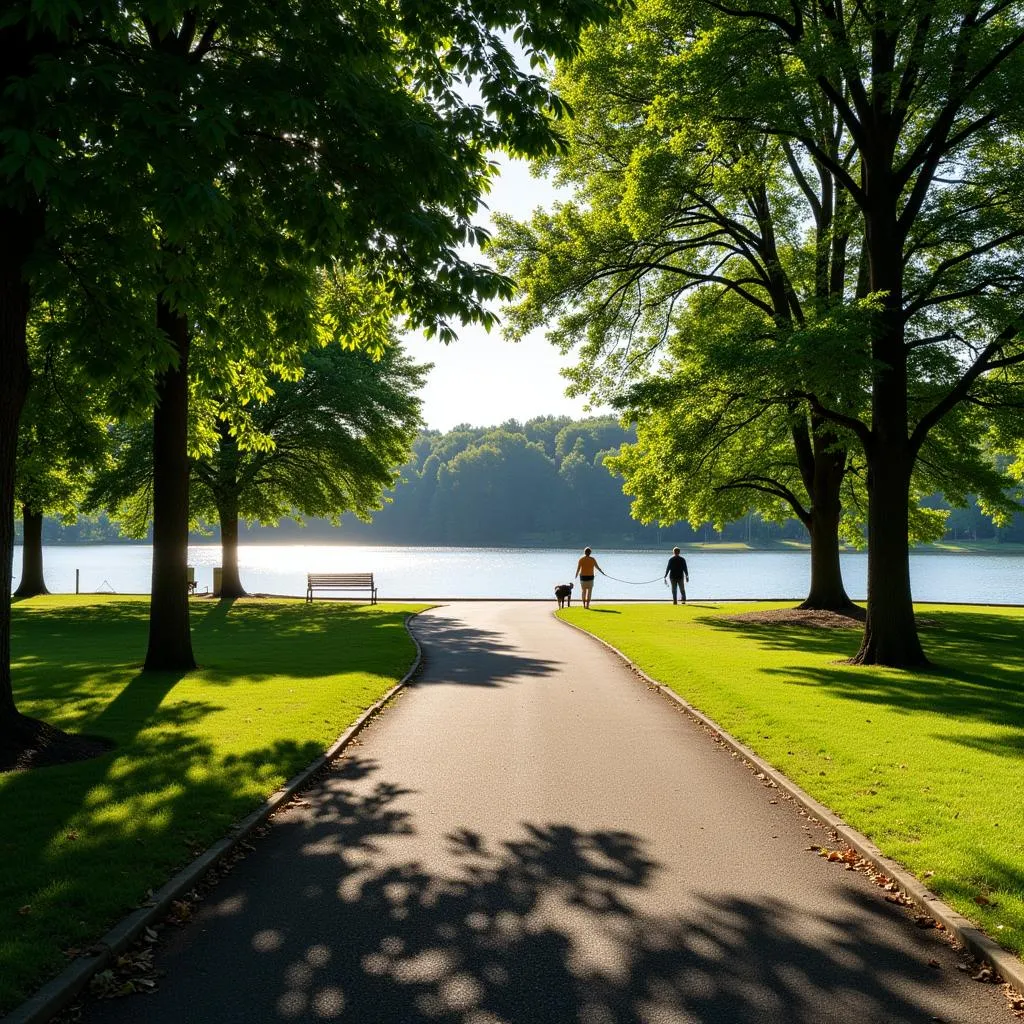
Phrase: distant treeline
[539,483]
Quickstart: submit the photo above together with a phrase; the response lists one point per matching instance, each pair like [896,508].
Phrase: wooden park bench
[190,583]
[341,581]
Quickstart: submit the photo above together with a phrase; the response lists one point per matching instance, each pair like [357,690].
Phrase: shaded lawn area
[81,844]
[930,765]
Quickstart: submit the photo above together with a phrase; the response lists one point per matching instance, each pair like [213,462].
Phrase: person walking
[676,572]
[585,568]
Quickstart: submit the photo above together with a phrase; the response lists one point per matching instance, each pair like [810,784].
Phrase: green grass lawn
[80,844]
[930,765]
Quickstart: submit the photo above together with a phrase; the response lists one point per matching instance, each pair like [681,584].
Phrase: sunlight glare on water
[420,573]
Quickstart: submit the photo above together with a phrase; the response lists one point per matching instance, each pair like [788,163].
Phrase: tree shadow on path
[334,920]
[471,656]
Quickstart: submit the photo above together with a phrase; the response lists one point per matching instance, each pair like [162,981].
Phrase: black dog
[564,594]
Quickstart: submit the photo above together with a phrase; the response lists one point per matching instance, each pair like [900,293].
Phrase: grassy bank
[971,547]
[82,843]
[928,764]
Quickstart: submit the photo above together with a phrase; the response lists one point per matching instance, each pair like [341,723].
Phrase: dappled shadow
[90,838]
[459,653]
[978,672]
[57,650]
[334,919]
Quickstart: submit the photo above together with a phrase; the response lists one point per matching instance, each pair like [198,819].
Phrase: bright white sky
[482,379]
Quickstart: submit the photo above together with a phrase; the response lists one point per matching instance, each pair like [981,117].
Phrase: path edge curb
[59,992]
[966,931]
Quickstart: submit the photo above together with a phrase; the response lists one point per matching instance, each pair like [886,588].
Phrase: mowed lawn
[81,844]
[930,764]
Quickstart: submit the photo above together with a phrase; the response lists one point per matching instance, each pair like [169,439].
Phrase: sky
[482,379]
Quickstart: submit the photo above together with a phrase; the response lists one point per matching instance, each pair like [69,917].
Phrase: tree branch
[768,486]
[858,427]
[982,365]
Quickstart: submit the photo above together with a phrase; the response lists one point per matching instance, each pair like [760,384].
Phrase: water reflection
[420,573]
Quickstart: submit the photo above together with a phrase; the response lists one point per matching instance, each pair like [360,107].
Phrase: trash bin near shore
[218,573]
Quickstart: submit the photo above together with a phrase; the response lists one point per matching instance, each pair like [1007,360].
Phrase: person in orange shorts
[585,569]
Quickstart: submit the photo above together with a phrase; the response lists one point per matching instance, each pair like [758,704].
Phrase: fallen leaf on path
[1015,999]
[179,913]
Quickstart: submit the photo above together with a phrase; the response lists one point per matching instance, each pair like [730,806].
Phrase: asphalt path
[531,835]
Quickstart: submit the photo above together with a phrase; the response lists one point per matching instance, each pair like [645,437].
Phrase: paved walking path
[531,835]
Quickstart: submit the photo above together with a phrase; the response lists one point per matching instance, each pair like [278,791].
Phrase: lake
[420,573]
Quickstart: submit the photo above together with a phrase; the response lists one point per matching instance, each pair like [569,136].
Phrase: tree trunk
[890,634]
[827,590]
[19,230]
[822,463]
[226,494]
[32,582]
[170,641]
[230,581]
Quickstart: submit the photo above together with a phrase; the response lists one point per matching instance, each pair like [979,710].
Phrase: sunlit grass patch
[930,764]
[82,843]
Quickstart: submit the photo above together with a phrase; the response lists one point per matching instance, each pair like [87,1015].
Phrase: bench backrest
[352,579]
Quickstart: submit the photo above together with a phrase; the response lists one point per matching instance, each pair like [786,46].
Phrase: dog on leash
[564,594]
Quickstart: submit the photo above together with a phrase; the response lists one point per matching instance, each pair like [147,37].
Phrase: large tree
[922,93]
[383,165]
[684,232]
[299,132]
[715,439]
[927,93]
[327,443]
[43,76]
[62,437]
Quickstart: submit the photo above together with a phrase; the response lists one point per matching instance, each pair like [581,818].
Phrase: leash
[632,583]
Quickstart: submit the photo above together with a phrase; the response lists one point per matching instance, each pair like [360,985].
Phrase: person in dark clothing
[676,571]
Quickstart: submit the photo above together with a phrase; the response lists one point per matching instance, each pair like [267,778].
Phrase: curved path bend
[530,835]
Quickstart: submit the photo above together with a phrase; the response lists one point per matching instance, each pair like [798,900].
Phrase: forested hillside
[539,483]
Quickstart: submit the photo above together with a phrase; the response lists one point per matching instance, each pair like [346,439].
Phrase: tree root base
[28,743]
[813,618]
[847,609]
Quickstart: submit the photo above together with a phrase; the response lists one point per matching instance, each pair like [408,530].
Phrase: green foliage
[335,439]
[927,765]
[279,683]
[214,161]
[701,278]
[721,279]
[539,482]
[252,136]
[62,434]
[495,488]
[327,443]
